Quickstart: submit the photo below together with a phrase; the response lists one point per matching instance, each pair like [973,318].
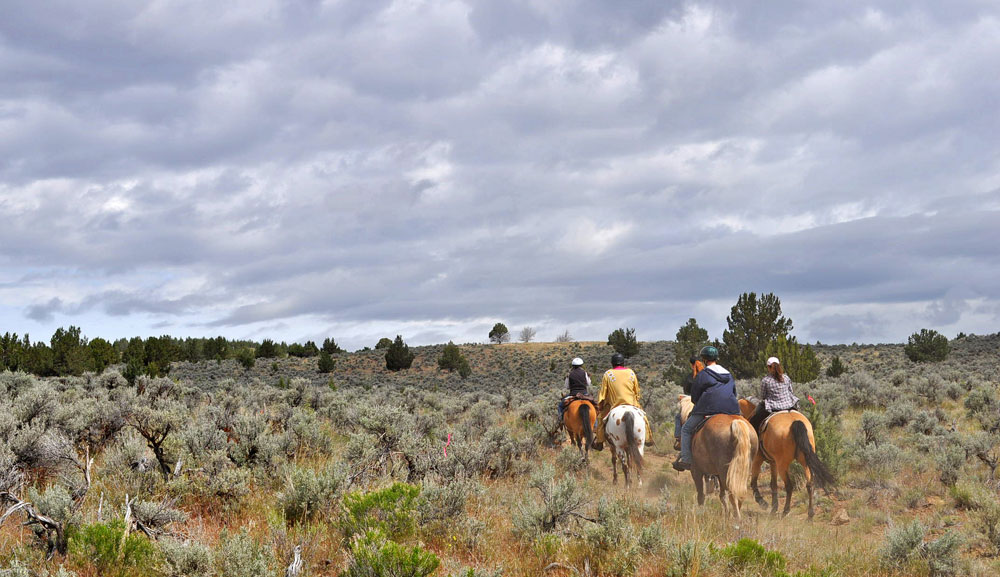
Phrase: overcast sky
[357,169]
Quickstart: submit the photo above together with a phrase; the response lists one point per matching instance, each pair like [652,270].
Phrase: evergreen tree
[927,346]
[331,347]
[326,362]
[799,362]
[624,342]
[267,350]
[102,354]
[689,341]
[12,352]
[452,359]
[70,355]
[383,343]
[753,324]
[398,355]
[836,368]
[499,334]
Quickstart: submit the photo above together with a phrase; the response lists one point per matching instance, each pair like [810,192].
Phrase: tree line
[69,353]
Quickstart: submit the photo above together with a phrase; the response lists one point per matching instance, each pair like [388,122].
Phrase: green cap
[710,353]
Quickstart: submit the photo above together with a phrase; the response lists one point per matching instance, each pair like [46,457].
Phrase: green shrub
[392,511]
[247,358]
[623,341]
[927,346]
[372,555]
[749,555]
[106,547]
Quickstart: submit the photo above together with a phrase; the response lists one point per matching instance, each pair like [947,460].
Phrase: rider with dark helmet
[713,392]
[619,386]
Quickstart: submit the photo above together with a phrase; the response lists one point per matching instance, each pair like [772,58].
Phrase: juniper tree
[499,334]
[398,355]
[754,323]
[689,341]
[326,362]
[624,342]
[927,346]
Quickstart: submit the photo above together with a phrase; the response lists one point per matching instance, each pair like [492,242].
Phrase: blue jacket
[714,392]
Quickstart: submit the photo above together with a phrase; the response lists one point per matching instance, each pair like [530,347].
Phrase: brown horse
[787,437]
[723,447]
[579,420]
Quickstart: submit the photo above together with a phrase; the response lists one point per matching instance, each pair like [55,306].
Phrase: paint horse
[579,419]
[624,430]
[785,437]
[724,446]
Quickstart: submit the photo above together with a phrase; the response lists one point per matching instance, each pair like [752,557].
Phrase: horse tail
[588,430]
[824,478]
[634,457]
[738,475]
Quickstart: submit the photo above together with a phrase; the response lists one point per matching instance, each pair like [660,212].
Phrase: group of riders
[712,389]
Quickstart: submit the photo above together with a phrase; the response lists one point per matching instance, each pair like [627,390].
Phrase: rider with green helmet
[713,392]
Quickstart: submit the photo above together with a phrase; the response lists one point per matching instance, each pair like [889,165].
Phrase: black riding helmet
[617,360]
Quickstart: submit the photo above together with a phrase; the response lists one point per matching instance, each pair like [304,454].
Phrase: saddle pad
[763,425]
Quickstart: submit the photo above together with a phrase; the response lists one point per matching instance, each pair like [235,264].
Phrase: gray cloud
[381,167]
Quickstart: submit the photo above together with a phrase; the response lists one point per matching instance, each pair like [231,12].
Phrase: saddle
[580,397]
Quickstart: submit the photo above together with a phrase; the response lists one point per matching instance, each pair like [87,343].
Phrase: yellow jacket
[618,387]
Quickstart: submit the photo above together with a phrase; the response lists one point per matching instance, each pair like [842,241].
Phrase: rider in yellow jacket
[619,386]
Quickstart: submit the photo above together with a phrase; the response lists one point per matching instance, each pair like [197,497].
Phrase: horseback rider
[713,392]
[775,393]
[619,386]
[696,367]
[578,383]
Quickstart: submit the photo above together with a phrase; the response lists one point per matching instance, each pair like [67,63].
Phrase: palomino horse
[724,447]
[579,420]
[787,437]
[625,432]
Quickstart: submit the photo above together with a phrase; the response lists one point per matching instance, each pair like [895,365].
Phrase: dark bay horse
[579,420]
[787,437]
[724,447]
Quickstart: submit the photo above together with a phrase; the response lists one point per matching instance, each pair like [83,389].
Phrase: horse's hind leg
[614,466]
[758,460]
[774,488]
[786,476]
[809,486]
[625,470]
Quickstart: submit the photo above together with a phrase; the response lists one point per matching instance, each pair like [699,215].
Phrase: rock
[840,517]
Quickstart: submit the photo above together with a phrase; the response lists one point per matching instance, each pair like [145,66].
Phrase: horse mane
[686,406]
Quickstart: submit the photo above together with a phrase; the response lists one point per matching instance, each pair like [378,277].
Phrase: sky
[299,170]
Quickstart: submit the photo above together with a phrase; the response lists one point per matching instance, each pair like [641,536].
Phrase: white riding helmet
[577,362]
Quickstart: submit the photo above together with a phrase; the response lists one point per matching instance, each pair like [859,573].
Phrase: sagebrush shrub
[309,493]
[191,559]
[240,555]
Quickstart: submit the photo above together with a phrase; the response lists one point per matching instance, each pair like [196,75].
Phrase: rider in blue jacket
[713,392]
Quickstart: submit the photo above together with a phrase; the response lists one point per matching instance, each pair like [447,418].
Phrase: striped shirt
[777,396]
